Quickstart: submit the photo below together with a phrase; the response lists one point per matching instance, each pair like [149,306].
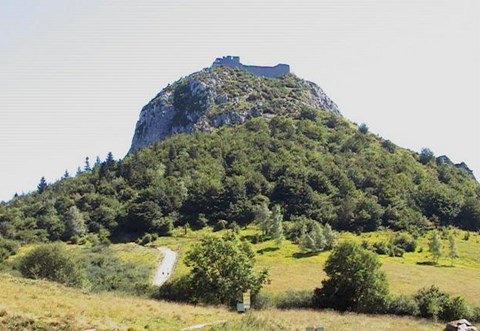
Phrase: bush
[220,225]
[474,315]
[148,238]
[264,301]
[295,300]
[403,305]
[435,303]
[454,309]
[405,241]
[381,248]
[177,290]
[106,272]
[7,248]
[51,262]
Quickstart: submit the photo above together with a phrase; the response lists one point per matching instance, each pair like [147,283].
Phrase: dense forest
[314,164]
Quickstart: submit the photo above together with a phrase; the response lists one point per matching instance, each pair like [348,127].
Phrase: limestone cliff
[219,96]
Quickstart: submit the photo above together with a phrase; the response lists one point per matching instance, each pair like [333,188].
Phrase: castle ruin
[234,62]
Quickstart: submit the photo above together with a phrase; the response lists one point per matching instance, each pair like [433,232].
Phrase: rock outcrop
[460,325]
[462,165]
[220,96]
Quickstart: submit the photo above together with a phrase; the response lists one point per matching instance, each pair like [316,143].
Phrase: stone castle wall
[234,62]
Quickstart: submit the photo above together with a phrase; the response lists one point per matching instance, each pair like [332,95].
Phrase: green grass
[292,270]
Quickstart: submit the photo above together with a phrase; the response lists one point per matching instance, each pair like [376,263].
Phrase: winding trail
[165,268]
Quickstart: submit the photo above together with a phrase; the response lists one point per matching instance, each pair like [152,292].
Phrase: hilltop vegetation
[318,166]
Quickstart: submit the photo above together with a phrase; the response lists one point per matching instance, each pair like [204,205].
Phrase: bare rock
[460,325]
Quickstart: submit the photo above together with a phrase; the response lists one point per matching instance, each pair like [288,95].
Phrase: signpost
[245,304]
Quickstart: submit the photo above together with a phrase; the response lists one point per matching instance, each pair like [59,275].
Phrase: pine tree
[66,175]
[41,187]
[98,163]
[435,246]
[277,225]
[109,161]
[87,164]
[452,248]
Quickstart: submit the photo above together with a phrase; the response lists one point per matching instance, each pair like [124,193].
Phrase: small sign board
[246,299]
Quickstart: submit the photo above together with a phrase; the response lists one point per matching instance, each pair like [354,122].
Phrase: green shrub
[454,309]
[432,301]
[396,251]
[294,300]
[264,301]
[52,262]
[381,248]
[178,290]
[220,225]
[405,241]
[147,238]
[106,272]
[474,315]
[7,248]
[403,305]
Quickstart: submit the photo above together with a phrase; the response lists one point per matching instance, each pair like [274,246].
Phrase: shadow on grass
[300,255]
[267,249]
[431,263]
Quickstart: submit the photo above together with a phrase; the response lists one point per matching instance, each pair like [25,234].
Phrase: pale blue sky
[75,74]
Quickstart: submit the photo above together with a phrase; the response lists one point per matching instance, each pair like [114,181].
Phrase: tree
[355,281]
[426,156]
[109,161]
[277,225]
[97,163]
[262,217]
[314,239]
[74,223]
[66,174]
[222,269]
[42,186]
[435,246]
[330,236]
[87,164]
[452,248]
[363,128]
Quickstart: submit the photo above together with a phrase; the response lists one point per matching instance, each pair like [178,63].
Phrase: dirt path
[165,267]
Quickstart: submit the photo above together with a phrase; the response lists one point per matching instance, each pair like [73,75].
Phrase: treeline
[316,166]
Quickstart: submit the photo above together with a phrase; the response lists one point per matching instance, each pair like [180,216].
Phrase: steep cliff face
[219,96]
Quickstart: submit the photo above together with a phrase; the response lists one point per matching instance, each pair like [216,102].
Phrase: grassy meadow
[25,301]
[290,269]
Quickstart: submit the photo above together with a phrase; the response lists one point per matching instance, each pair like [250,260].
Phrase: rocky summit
[222,95]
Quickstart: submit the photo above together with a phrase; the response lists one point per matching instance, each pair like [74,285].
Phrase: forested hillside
[314,164]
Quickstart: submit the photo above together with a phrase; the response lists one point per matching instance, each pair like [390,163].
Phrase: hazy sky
[75,74]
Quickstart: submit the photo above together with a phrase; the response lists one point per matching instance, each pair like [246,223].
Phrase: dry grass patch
[48,302]
[298,320]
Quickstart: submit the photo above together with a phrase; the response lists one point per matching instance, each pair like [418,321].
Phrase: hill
[290,147]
